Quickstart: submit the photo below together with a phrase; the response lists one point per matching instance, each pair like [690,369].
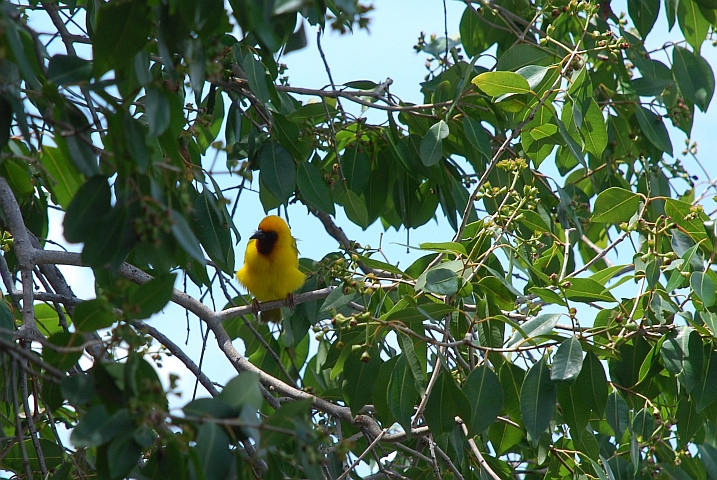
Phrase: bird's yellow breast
[274,274]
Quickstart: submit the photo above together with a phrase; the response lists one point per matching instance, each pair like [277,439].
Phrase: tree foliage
[516,347]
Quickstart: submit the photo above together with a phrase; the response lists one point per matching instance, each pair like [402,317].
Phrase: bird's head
[271,230]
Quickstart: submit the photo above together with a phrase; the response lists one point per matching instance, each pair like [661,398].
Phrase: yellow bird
[271,262]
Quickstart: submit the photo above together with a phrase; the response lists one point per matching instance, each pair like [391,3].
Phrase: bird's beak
[258,235]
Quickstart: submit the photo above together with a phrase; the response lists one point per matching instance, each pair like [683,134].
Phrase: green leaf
[643,14]
[485,395]
[278,171]
[568,362]
[379,265]
[415,364]
[592,383]
[69,70]
[704,288]
[475,133]
[151,297]
[65,179]
[446,402]
[615,205]
[63,360]
[337,300]
[91,203]
[694,76]
[537,327]
[689,421]
[693,24]
[356,168]
[576,412]
[432,143]
[256,76]
[314,189]
[644,424]
[496,84]
[121,30]
[359,379]
[708,455]
[136,142]
[616,414]
[705,392]
[213,231]
[97,427]
[537,400]
[93,315]
[522,55]
[588,290]
[244,389]
[185,237]
[594,129]
[444,247]
[401,394]
[690,222]
[123,454]
[158,111]
[212,447]
[354,207]
[361,84]
[442,281]
[654,128]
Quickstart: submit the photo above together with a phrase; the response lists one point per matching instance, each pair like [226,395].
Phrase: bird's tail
[273,316]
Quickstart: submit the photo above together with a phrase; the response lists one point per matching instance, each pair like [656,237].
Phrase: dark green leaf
[705,392]
[212,446]
[65,359]
[616,414]
[359,379]
[532,329]
[314,189]
[694,76]
[361,84]
[415,364]
[485,395]
[354,207]
[688,421]
[654,129]
[432,143]
[244,389]
[475,133]
[256,75]
[644,14]
[64,177]
[278,171]
[93,315]
[537,400]
[97,427]
[356,167]
[576,412]
[213,231]
[693,24]
[186,238]
[446,402]
[592,383]
[442,281]
[158,111]
[704,288]
[121,30]
[69,70]
[401,394]
[151,297]
[568,362]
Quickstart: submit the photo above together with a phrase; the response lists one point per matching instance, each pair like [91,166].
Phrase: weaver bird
[271,262]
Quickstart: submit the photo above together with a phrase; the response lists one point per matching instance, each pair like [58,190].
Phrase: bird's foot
[290,301]
[255,307]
